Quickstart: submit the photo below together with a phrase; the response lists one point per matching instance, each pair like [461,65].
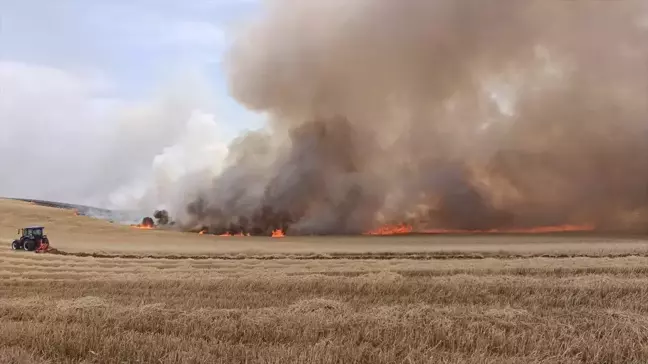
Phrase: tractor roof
[35,227]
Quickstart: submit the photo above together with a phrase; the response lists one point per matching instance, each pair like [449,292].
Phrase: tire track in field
[356,256]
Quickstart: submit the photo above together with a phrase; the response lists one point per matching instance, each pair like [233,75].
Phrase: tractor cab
[31,232]
[31,238]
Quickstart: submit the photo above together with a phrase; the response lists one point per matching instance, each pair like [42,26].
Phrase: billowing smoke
[457,114]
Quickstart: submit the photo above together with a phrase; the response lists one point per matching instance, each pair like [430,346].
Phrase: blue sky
[118,93]
[133,45]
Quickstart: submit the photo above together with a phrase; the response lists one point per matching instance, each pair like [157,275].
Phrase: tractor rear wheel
[15,245]
[29,245]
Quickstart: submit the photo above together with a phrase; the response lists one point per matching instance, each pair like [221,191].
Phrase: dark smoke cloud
[455,114]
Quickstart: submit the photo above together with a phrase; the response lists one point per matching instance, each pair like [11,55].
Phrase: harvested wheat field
[116,294]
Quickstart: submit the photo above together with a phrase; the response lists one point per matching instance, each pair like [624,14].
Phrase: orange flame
[143,227]
[408,229]
[146,224]
[391,230]
[278,233]
[202,232]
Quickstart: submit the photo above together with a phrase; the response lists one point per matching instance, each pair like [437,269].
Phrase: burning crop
[436,116]
[146,224]
[407,229]
[230,234]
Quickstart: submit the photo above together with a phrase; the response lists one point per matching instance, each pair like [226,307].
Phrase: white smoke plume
[442,113]
[195,158]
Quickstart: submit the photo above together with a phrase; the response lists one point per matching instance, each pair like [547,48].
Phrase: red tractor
[31,239]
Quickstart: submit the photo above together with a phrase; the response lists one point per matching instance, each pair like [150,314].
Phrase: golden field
[122,295]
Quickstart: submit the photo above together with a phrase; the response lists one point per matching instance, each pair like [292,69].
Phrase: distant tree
[147,221]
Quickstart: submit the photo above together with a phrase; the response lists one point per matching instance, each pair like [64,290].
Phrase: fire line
[403,229]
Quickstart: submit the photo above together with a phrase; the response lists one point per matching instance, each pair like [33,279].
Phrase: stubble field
[121,295]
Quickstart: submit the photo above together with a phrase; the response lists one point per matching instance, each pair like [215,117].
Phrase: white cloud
[45,117]
[61,141]
[75,96]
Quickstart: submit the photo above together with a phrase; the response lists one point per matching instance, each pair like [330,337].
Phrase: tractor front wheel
[15,245]
[29,245]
